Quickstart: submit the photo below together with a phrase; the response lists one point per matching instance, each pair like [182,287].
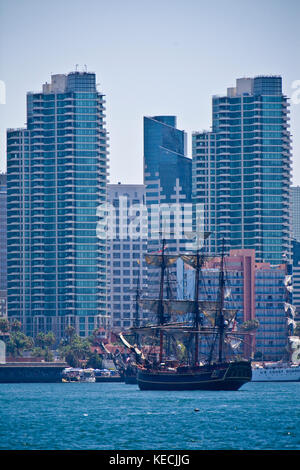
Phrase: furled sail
[228,315]
[295,347]
[290,321]
[187,306]
[227,293]
[288,283]
[290,307]
[104,348]
[287,280]
[170,327]
[191,260]
[296,357]
[159,259]
[294,341]
[129,346]
[149,304]
[178,306]
[234,343]
[181,306]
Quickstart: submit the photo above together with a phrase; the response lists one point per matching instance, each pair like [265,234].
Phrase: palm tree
[19,342]
[4,325]
[16,325]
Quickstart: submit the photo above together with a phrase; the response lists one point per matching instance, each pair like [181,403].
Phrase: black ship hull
[130,379]
[225,376]
[130,374]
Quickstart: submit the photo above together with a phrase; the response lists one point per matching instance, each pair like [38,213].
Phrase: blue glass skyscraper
[165,159]
[241,169]
[167,180]
[167,170]
[57,172]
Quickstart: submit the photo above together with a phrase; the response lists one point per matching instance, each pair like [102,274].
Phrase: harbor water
[109,416]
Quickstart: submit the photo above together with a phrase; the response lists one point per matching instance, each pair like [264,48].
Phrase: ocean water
[118,416]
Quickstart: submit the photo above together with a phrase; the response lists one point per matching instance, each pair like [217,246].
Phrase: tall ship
[210,320]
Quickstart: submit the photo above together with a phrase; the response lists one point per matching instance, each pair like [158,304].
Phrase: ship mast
[197,261]
[161,303]
[220,317]
[136,317]
[196,308]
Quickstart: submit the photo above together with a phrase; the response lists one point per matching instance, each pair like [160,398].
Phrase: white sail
[129,346]
[287,280]
[291,308]
[286,306]
[227,293]
[229,314]
[296,357]
[295,347]
[233,342]
[290,321]
[124,341]
[294,342]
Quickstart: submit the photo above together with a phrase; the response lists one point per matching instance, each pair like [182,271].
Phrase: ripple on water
[113,416]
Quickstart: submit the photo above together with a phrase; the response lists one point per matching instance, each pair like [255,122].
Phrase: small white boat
[87,375]
[71,374]
[78,375]
[275,372]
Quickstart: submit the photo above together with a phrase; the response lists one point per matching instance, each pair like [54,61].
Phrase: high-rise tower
[57,175]
[295,210]
[3,249]
[167,170]
[241,170]
[127,270]
[167,180]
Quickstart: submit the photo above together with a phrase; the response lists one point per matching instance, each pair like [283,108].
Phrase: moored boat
[276,372]
[71,374]
[105,375]
[217,372]
[130,375]
[288,368]
[221,376]
[87,375]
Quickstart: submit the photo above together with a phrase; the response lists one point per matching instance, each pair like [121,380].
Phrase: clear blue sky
[151,57]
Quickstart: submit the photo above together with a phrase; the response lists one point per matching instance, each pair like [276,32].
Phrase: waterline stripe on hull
[271,380]
[195,381]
